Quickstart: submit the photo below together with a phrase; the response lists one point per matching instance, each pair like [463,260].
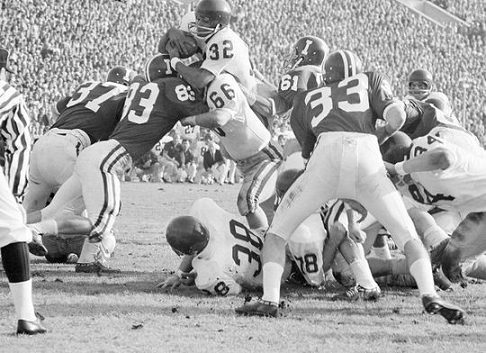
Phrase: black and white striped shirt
[14,130]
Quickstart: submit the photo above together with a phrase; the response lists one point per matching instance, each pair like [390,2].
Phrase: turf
[127,313]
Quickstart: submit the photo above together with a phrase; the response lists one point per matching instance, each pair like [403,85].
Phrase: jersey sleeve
[302,132]
[212,280]
[18,139]
[380,93]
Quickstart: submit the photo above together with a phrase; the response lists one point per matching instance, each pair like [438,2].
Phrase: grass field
[127,313]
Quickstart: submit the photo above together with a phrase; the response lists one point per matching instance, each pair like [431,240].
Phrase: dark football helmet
[340,65]
[308,50]
[158,66]
[420,84]
[396,147]
[284,181]
[211,16]
[120,75]
[187,235]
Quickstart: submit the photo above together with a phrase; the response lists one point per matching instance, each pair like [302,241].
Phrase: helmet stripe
[342,53]
[352,62]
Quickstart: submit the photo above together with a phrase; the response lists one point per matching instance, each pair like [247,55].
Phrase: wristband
[399,168]
[178,273]
[174,61]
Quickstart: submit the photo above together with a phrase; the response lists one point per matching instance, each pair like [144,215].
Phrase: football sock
[433,236]
[421,270]
[272,277]
[380,248]
[362,274]
[22,298]
[15,259]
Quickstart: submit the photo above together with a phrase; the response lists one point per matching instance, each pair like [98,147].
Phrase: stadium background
[55,45]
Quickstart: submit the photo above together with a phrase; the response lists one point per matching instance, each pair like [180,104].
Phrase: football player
[87,116]
[336,124]
[224,50]
[245,140]
[434,170]
[153,105]
[14,234]
[421,87]
[222,255]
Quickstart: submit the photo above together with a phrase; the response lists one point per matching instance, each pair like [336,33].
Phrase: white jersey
[461,187]
[231,260]
[305,249]
[244,135]
[227,52]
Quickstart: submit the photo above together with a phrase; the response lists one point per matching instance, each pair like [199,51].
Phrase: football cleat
[433,304]
[35,246]
[259,308]
[25,327]
[359,292]
[437,252]
[441,280]
[95,267]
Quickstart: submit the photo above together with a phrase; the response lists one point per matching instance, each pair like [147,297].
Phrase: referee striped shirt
[14,130]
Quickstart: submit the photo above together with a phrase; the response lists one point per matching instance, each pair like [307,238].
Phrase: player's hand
[176,45]
[356,234]
[171,283]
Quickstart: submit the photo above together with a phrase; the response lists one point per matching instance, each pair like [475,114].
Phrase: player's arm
[439,158]
[212,119]
[17,149]
[394,116]
[196,77]
[183,275]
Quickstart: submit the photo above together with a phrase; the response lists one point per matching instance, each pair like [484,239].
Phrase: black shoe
[435,305]
[259,308]
[94,267]
[35,246]
[25,327]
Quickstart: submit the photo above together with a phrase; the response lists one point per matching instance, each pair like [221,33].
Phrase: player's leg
[14,236]
[258,186]
[97,170]
[391,212]
[310,191]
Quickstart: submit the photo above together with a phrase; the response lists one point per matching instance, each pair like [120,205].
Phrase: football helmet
[420,84]
[211,16]
[158,66]
[308,50]
[396,147]
[187,235]
[340,65]
[440,101]
[120,75]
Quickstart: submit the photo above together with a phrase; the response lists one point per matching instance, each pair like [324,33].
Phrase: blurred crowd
[55,45]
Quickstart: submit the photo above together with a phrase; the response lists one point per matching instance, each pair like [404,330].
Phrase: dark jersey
[353,105]
[423,117]
[302,78]
[151,111]
[94,107]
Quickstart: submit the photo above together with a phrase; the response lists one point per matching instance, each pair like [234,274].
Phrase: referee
[14,234]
